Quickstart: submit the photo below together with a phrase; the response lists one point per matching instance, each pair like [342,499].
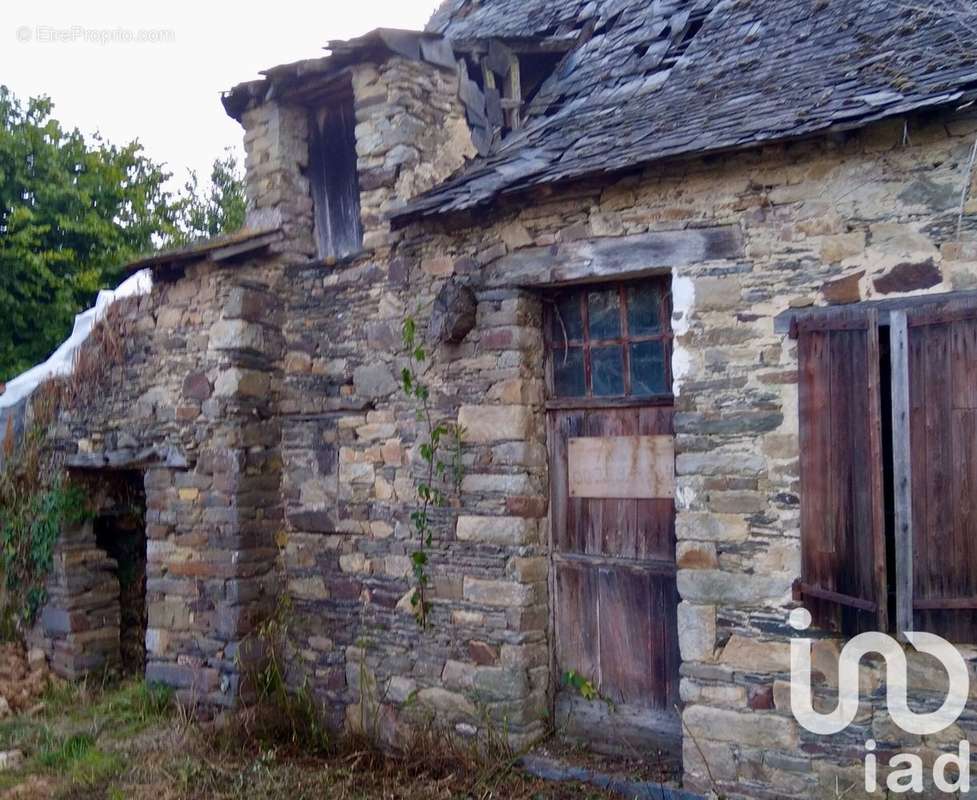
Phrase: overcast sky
[166,91]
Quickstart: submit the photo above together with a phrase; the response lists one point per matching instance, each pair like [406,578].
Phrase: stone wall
[864,216]
[272,389]
[350,461]
[192,406]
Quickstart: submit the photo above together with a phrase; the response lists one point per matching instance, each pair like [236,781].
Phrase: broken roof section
[653,80]
[465,21]
[216,249]
[302,80]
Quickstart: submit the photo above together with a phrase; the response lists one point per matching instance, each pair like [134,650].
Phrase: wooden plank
[918,465]
[875,466]
[614,257]
[660,566]
[902,469]
[632,671]
[838,598]
[334,179]
[946,603]
[842,503]
[622,467]
[815,449]
[513,92]
[578,634]
[959,304]
[943,387]
[664,401]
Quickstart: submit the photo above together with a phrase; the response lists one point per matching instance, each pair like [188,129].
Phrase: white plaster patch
[683,300]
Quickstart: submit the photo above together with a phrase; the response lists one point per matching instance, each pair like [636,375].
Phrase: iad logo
[923,724]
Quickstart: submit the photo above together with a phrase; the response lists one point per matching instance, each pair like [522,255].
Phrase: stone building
[696,278]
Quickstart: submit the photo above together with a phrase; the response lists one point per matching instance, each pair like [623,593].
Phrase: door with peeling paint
[612,513]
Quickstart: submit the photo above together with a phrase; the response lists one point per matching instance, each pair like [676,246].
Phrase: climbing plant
[36,501]
[30,524]
[440,449]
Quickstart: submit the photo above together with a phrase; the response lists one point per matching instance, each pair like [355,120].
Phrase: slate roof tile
[664,78]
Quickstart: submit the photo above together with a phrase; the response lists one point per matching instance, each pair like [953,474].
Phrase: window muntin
[610,341]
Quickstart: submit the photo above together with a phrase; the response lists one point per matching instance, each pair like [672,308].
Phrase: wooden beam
[514,92]
[586,260]
[947,604]
[837,597]
[488,76]
[941,304]
[902,469]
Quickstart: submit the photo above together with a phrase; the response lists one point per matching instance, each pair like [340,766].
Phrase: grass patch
[92,742]
[60,753]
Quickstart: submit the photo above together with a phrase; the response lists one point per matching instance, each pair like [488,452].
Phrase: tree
[216,209]
[74,212]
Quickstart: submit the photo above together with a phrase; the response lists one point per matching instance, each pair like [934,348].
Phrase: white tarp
[62,361]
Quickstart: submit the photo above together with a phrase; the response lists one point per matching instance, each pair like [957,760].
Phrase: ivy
[30,525]
[441,452]
[36,503]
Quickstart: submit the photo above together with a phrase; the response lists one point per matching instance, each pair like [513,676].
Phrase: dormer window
[333,175]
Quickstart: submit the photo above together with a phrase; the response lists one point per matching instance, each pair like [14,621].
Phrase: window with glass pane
[610,341]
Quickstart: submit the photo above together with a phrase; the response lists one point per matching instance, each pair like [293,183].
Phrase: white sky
[167,93]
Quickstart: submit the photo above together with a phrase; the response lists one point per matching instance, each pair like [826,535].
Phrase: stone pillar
[78,628]
[212,528]
[276,143]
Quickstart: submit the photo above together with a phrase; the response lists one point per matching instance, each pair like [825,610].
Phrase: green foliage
[429,491]
[283,715]
[215,209]
[136,705]
[585,688]
[73,212]
[61,752]
[30,524]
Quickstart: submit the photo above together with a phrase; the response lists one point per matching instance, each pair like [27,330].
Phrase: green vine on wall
[30,525]
[36,502]
[440,436]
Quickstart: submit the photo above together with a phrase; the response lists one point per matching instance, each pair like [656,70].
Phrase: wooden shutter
[843,565]
[334,178]
[936,485]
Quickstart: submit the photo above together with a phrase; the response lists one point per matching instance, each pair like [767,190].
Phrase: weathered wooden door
[612,513]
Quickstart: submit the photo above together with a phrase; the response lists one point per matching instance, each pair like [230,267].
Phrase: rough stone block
[753,654]
[746,729]
[696,632]
[487,424]
[710,586]
[498,593]
[497,530]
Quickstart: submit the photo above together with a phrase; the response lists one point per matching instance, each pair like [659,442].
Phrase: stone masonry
[286,455]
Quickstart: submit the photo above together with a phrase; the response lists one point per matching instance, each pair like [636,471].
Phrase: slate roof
[218,248]
[653,79]
[312,74]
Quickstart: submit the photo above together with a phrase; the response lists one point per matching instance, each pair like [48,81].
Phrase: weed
[282,714]
[429,494]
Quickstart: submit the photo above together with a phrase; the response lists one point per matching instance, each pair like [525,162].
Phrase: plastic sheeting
[62,361]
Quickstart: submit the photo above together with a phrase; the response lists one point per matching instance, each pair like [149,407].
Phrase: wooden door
[613,513]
